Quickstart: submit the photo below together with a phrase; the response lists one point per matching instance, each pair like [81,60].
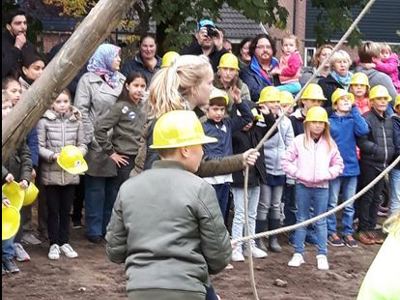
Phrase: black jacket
[396,136]
[329,85]
[19,164]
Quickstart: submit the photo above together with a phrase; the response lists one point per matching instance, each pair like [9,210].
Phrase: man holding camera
[209,41]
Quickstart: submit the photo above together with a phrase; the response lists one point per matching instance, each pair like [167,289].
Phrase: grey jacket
[94,98]
[54,132]
[169,233]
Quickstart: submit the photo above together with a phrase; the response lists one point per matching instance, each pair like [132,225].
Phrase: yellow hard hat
[286,97]
[339,93]
[317,114]
[257,116]
[269,94]
[314,92]
[31,194]
[360,78]
[71,160]
[179,128]
[397,102]
[218,93]
[229,60]
[379,91]
[10,220]
[168,58]
[13,192]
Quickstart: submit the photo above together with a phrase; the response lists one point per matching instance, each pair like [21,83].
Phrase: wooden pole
[97,25]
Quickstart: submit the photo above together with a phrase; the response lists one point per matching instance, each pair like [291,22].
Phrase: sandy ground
[92,276]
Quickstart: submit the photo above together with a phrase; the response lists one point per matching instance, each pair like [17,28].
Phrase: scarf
[344,81]
[256,68]
[101,61]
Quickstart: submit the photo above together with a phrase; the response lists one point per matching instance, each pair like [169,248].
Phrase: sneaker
[10,266]
[256,252]
[77,224]
[237,254]
[296,261]
[322,262]
[335,241]
[350,241]
[376,237]
[54,252]
[68,251]
[20,253]
[94,239]
[30,239]
[229,267]
[364,238]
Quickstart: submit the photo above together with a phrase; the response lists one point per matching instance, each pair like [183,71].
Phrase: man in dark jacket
[209,41]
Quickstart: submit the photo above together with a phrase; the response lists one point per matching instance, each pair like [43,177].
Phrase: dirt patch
[92,276]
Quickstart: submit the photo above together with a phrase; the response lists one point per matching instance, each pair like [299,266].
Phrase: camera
[211,31]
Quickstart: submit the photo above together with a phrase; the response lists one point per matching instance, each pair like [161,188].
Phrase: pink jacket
[389,66]
[362,105]
[290,66]
[313,166]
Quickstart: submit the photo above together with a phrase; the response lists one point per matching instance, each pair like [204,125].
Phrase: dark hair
[10,15]
[124,96]
[6,80]
[147,35]
[218,101]
[258,37]
[244,41]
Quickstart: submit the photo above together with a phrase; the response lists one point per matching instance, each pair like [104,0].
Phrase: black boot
[273,242]
[261,226]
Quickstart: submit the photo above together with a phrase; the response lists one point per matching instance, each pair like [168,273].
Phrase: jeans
[348,185]
[238,219]
[293,87]
[100,195]
[394,191]
[270,202]
[7,248]
[222,191]
[318,199]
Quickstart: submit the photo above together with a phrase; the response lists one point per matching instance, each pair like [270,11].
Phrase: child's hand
[369,65]
[275,71]
[120,160]
[24,184]
[33,174]
[6,202]
[264,109]
[250,157]
[55,156]
[9,178]
[235,94]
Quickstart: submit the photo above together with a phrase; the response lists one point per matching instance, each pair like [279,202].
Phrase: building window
[308,55]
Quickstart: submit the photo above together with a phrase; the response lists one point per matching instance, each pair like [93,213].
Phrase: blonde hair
[385,46]
[171,87]
[338,56]
[308,141]
[318,53]
[367,51]
[289,36]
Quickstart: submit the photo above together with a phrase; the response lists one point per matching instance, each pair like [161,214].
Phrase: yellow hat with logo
[71,160]
[379,91]
[313,92]
[269,94]
[168,58]
[286,97]
[229,60]
[317,114]
[13,192]
[31,194]
[359,78]
[10,221]
[177,129]
[339,93]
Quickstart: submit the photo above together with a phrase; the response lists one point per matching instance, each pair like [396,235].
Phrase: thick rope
[275,125]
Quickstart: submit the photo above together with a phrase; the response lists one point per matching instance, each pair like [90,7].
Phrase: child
[60,126]
[388,63]
[126,119]
[395,173]
[162,263]
[377,151]
[313,159]
[269,206]
[286,100]
[359,87]
[222,128]
[346,124]
[290,65]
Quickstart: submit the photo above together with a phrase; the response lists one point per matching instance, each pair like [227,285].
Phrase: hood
[73,115]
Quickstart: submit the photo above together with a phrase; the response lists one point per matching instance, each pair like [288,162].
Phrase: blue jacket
[224,130]
[33,145]
[344,130]
[136,65]
[396,136]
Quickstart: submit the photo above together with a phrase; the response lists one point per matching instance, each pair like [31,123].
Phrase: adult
[97,92]
[145,61]
[339,76]
[257,74]
[13,43]
[209,41]
[244,52]
[322,52]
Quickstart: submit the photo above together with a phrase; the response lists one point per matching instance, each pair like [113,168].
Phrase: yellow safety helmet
[397,102]
[168,58]
[229,60]
[359,78]
[379,91]
[317,114]
[31,194]
[218,93]
[10,221]
[339,93]
[257,116]
[313,91]
[71,160]
[286,97]
[269,94]
[179,128]
[13,192]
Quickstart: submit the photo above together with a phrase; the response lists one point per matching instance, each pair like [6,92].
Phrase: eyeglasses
[262,47]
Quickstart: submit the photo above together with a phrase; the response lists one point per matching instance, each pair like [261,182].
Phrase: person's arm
[103,126]
[10,58]
[83,102]
[289,161]
[360,125]
[388,66]
[336,165]
[293,66]
[26,162]
[238,122]
[44,153]
[80,139]
[33,144]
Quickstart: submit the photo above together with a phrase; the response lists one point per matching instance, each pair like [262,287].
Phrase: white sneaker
[68,251]
[20,253]
[322,262]
[296,261]
[256,252]
[54,252]
[237,254]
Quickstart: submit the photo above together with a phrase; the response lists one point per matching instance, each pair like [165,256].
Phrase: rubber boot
[273,242]
[261,226]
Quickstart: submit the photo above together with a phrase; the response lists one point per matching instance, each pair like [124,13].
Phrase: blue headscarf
[101,61]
